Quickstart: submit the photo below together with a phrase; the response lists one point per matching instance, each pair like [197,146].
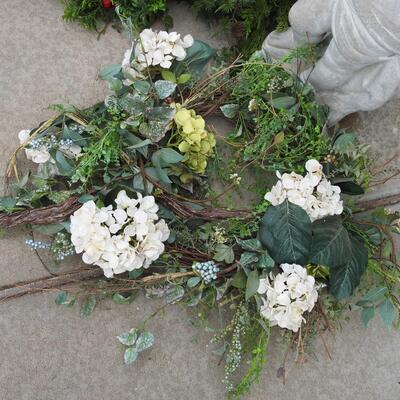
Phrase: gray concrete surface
[48,352]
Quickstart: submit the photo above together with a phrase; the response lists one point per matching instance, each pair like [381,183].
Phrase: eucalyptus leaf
[110,71]
[285,231]
[367,314]
[252,284]
[388,313]
[194,281]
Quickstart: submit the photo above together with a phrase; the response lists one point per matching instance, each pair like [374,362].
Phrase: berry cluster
[207,270]
[37,245]
[65,143]
[62,246]
[48,142]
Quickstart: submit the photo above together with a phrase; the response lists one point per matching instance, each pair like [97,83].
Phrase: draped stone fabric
[360,69]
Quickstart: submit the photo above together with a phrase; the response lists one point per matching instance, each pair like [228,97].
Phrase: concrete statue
[360,68]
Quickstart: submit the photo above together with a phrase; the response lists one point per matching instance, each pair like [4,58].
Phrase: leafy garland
[129,184]
[248,21]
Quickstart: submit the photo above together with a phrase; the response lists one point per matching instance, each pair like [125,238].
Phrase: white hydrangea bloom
[287,296]
[121,239]
[313,192]
[154,48]
[38,156]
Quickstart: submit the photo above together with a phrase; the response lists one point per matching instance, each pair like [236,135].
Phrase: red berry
[107,4]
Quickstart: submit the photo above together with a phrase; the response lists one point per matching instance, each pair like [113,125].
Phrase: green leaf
[136,273]
[142,87]
[350,187]
[344,141]
[174,294]
[129,338]
[88,305]
[49,229]
[239,280]
[331,244]
[119,299]
[346,277]
[114,84]
[61,298]
[250,244]
[130,355]
[367,314]
[110,71]
[229,110]
[372,296]
[252,284]
[85,198]
[164,89]
[266,261]
[388,313]
[74,136]
[285,231]
[168,75]
[194,301]
[184,78]
[63,165]
[224,253]
[197,57]
[145,340]
[169,156]
[248,258]
[194,281]
[284,102]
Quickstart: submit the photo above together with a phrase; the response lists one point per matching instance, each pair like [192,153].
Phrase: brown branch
[381,202]
[41,216]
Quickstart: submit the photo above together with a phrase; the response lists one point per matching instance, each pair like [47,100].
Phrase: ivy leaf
[224,253]
[194,281]
[252,284]
[164,88]
[88,305]
[248,258]
[284,102]
[128,338]
[388,313]
[145,340]
[266,261]
[250,244]
[119,299]
[239,280]
[174,294]
[130,355]
[142,87]
[346,277]
[286,233]
[229,110]
[367,314]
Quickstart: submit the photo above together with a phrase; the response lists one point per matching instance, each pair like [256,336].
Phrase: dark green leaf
[85,198]
[143,87]
[344,141]
[135,273]
[174,294]
[350,187]
[372,296]
[49,229]
[286,233]
[119,299]
[284,102]
[239,279]
[346,277]
[61,298]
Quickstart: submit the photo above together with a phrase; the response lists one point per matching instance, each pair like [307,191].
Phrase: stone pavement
[48,352]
